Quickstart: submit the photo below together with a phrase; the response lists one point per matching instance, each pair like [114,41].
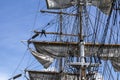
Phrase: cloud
[4,76]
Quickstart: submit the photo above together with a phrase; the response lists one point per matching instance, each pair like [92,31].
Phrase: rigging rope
[36,15]
[19,64]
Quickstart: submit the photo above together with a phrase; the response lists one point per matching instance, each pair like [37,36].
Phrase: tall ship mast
[82,42]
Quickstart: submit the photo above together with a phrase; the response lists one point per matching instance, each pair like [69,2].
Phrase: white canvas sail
[45,60]
[103,5]
[60,49]
[58,4]
[116,63]
[56,49]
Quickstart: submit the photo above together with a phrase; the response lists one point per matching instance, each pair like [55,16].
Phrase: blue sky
[16,24]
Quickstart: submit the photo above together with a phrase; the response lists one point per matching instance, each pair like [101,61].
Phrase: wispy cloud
[4,76]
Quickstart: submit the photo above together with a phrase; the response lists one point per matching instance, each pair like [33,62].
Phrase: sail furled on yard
[103,5]
[58,4]
[49,75]
[56,49]
[45,60]
[53,50]
[116,63]
[114,58]
[43,75]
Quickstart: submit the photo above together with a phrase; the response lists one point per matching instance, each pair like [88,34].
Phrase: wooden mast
[81,42]
[60,61]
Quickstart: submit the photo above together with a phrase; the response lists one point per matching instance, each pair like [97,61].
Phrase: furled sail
[114,58]
[56,49]
[103,5]
[43,75]
[45,60]
[62,49]
[116,63]
[58,4]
